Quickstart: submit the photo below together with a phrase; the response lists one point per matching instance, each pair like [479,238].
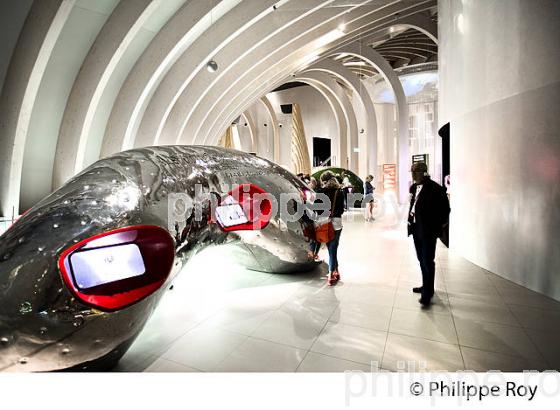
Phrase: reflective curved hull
[44,326]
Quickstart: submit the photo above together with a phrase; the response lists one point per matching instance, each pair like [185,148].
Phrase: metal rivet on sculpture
[81,272]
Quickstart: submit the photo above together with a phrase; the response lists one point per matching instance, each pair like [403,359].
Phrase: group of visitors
[428,215]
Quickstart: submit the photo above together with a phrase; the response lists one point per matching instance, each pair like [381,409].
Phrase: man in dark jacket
[428,213]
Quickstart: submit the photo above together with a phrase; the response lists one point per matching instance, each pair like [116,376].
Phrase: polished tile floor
[222,318]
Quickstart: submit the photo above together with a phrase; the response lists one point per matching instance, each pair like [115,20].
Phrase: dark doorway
[286,108]
[321,151]
[445,172]
[444,134]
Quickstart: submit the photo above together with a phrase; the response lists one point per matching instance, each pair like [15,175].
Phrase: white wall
[265,134]
[318,118]
[386,133]
[499,89]
[244,135]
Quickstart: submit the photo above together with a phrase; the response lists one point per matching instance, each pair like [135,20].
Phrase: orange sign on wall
[389,177]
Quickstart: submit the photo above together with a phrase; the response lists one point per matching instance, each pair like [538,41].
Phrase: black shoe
[425,301]
[417,290]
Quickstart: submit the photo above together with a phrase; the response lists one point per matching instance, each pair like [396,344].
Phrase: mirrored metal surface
[44,325]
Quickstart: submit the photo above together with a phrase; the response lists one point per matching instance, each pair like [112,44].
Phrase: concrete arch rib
[192,111]
[368,161]
[377,60]
[187,24]
[237,100]
[340,116]
[275,129]
[252,130]
[418,22]
[284,52]
[272,71]
[186,78]
[291,55]
[422,24]
[100,64]
[346,159]
[37,40]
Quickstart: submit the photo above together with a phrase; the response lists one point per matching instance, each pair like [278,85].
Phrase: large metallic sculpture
[81,272]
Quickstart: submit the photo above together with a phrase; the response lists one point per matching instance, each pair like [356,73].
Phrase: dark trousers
[345,192]
[426,252]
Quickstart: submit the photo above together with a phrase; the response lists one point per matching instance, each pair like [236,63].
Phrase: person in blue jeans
[331,188]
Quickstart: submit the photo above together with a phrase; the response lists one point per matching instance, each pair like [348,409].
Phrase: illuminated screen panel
[105,265]
[231,215]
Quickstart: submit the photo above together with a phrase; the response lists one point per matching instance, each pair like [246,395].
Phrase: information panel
[389,177]
[420,158]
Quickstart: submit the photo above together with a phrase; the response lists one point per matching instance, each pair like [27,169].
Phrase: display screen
[105,265]
[231,215]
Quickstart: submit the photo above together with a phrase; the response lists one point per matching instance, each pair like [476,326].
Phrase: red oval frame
[157,249]
[243,194]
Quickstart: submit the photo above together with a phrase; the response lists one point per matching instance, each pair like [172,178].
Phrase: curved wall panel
[505,150]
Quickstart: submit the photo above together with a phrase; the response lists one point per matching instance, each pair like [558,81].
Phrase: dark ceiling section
[292,84]
[409,50]
[410,47]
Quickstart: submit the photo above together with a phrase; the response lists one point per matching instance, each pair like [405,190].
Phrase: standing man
[429,212]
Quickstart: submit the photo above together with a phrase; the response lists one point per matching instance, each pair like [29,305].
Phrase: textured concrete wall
[500,91]
[12,17]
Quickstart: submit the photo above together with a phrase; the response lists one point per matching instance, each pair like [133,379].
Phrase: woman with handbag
[328,230]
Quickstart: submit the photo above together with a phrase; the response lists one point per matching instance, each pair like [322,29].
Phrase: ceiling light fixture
[212,66]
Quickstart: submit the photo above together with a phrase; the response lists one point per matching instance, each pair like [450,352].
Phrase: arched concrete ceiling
[360,17]
[92,81]
[19,94]
[181,33]
[417,15]
[275,129]
[368,162]
[226,36]
[375,59]
[241,97]
[135,74]
[279,43]
[340,140]
[322,81]
[252,130]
